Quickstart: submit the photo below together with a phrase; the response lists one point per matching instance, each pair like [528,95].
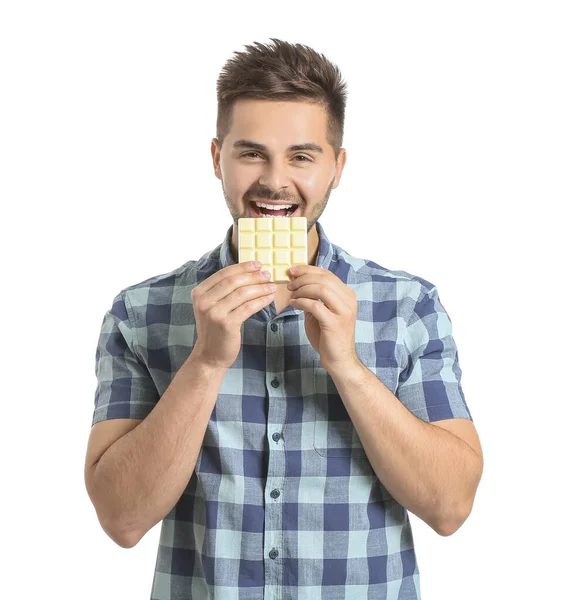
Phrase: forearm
[427,469]
[141,476]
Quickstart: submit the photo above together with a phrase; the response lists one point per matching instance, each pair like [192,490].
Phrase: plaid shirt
[283,502]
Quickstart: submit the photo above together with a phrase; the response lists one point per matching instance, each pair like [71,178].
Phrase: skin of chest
[281,297]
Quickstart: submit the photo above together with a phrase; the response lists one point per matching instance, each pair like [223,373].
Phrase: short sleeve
[125,388]
[430,384]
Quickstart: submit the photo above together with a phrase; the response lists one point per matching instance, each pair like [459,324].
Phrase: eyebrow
[297,147]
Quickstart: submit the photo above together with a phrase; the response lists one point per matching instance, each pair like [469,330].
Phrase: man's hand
[330,325]
[221,304]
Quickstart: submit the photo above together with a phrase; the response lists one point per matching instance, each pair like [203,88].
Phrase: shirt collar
[324,254]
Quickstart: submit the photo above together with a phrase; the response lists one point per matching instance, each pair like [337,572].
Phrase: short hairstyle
[282,71]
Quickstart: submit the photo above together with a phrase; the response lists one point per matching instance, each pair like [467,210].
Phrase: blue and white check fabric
[283,502]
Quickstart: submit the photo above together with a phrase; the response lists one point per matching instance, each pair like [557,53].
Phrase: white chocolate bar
[276,242]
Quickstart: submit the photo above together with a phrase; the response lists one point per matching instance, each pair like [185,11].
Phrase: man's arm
[139,479]
[427,469]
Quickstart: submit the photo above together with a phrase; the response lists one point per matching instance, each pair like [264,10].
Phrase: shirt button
[275,494]
[276,436]
[273,553]
[275,383]
[274,326]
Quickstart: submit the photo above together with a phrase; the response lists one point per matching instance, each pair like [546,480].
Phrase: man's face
[274,172]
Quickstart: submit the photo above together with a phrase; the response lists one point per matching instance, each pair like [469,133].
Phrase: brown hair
[282,71]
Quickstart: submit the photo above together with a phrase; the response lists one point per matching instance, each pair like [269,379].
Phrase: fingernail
[265,274]
[256,264]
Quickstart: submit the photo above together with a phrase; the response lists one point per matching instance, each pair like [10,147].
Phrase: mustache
[273,197]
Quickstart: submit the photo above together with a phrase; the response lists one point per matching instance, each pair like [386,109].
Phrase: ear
[215,151]
[341,160]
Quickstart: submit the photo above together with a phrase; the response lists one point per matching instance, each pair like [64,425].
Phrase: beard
[315,212]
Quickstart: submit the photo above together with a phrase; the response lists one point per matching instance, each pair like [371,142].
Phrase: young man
[281,440]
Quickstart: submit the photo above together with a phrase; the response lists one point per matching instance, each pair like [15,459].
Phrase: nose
[274,176]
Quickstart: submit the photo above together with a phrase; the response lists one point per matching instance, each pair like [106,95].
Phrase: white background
[461,136]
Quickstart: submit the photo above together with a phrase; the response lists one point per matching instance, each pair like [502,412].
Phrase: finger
[332,300]
[227,285]
[236,269]
[297,270]
[326,278]
[316,308]
[239,296]
[244,311]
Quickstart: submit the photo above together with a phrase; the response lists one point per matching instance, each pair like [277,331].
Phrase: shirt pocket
[334,432]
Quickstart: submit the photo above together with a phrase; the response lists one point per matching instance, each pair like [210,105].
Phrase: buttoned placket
[275,386]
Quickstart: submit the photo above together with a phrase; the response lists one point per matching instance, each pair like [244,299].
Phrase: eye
[306,158]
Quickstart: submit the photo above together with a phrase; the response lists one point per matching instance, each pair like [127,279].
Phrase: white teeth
[272,206]
[291,210]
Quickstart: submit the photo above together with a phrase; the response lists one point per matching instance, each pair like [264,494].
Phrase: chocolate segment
[277,242]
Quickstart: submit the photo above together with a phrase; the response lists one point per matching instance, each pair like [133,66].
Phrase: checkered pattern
[283,502]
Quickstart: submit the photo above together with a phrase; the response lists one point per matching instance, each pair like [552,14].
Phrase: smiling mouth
[265,209]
